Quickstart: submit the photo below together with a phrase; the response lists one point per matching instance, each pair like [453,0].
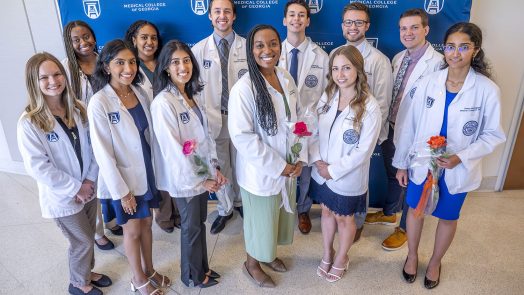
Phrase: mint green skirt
[266,225]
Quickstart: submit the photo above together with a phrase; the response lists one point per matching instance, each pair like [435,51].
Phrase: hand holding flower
[297,171]
[211,185]
[448,162]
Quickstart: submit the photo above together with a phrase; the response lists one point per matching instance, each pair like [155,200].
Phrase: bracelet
[128,200]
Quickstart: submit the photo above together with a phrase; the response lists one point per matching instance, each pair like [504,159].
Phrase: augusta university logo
[91,8]
[199,7]
[433,6]
[315,6]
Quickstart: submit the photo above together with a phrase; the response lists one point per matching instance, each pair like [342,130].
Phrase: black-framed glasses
[358,22]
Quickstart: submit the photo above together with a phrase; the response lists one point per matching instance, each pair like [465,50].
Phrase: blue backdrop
[188,21]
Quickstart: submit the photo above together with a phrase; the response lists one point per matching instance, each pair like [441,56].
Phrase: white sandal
[155,292]
[331,277]
[322,272]
[155,284]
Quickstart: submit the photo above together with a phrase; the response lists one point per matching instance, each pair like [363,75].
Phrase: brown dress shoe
[358,233]
[304,223]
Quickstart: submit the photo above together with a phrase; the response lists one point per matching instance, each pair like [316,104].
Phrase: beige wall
[502,23]
[34,26]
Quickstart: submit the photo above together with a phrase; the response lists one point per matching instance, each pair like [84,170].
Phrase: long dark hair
[73,66]
[133,29]
[110,50]
[478,63]
[266,116]
[162,80]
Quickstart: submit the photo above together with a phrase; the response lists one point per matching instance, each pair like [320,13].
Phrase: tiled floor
[486,257]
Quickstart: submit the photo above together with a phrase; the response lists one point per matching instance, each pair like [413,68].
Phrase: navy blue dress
[113,208]
[449,205]
[338,204]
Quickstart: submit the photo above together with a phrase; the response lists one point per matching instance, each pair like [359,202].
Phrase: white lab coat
[313,73]
[261,158]
[87,90]
[117,146]
[473,127]
[146,85]
[380,80]
[208,58]
[51,160]
[430,62]
[347,151]
[174,123]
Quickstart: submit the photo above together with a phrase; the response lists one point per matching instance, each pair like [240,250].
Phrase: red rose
[301,129]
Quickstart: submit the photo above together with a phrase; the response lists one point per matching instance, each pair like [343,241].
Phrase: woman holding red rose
[462,104]
[348,128]
[180,124]
[264,100]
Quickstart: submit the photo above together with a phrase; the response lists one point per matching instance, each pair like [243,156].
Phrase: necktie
[224,56]
[396,86]
[293,69]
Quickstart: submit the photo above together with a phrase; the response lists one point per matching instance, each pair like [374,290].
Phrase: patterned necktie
[398,82]
[293,69]
[224,56]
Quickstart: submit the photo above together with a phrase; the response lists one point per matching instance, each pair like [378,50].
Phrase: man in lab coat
[355,24]
[222,61]
[308,64]
[417,60]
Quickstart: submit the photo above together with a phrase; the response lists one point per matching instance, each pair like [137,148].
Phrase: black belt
[223,112]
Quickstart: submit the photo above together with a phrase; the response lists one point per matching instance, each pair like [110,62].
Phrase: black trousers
[193,259]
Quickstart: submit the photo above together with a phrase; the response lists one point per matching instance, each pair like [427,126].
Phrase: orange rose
[436,142]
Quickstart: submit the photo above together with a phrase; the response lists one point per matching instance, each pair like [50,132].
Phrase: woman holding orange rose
[459,103]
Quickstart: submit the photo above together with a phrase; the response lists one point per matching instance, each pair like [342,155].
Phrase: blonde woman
[349,125]
[53,141]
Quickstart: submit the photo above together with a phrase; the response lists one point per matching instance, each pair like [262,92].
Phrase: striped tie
[224,56]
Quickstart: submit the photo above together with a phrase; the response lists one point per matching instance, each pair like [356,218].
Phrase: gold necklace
[123,97]
[455,83]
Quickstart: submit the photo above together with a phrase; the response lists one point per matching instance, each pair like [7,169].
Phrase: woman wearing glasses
[349,121]
[461,103]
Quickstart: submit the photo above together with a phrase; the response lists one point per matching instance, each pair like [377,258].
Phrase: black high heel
[410,278]
[429,284]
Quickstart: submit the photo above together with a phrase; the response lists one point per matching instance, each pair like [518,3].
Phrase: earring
[168,74]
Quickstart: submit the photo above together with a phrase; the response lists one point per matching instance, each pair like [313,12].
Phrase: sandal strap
[143,286]
[338,268]
[334,275]
[151,276]
[156,291]
[326,263]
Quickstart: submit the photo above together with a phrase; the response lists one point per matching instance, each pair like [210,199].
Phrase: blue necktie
[293,69]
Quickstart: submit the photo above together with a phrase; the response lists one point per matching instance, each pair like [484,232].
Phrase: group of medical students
[114,134]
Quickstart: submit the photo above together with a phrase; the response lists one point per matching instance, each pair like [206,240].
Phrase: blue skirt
[448,206]
[112,209]
[338,204]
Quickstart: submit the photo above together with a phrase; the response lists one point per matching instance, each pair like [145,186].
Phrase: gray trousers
[79,230]
[226,152]
[193,259]
[167,215]
[304,202]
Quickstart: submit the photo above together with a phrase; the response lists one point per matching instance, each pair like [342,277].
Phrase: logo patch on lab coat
[429,102]
[114,117]
[207,63]
[311,81]
[412,92]
[470,128]
[52,136]
[350,136]
[184,117]
[241,73]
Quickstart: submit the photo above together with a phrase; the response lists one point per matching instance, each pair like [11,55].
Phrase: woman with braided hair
[80,45]
[262,101]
